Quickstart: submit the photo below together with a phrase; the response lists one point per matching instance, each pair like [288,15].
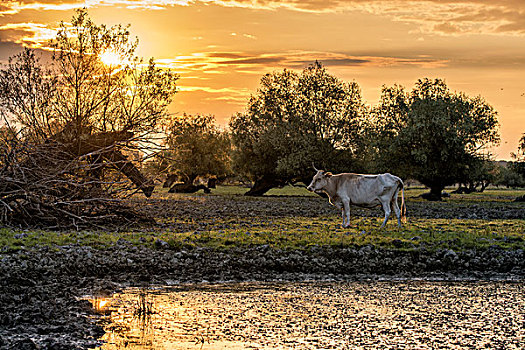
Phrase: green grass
[303,233]
[299,233]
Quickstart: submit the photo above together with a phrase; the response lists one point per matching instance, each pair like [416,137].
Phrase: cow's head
[319,181]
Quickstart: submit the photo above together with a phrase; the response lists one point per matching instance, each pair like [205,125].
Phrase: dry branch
[68,183]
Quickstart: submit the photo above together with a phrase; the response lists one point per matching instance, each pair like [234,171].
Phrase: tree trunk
[125,166]
[170,180]
[103,142]
[484,185]
[188,188]
[263,185]
[212,182]
[434,194]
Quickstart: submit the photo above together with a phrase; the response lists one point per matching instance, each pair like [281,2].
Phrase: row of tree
[430,134]
[77,127]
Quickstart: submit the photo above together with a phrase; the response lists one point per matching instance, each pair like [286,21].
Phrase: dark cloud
[229,55]
[345,62]
[10,49]
[254,60]
[293,60]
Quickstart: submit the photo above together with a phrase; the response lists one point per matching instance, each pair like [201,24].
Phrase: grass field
[293,218]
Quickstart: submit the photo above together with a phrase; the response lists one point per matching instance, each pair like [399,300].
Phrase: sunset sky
[222,48]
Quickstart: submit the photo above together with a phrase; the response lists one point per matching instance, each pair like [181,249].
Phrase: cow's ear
[327,174]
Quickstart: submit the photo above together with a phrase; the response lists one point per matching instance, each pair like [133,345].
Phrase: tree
[77,118]
[520,155]
[518,167]
[477,176]
[294,120]
[432,134]
[196,147]
[508,176]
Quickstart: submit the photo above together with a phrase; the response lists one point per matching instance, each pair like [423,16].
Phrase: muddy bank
[39,288]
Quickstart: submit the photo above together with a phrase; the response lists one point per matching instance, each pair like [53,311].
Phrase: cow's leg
[386,209]
[395,206]
[346,213]
[339,205]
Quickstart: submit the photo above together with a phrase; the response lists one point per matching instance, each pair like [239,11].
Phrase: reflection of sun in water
[111,58]
[100,304]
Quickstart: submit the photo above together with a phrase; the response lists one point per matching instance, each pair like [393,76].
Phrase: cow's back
[364,189]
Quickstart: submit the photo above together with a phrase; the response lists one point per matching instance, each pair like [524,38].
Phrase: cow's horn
[314,167]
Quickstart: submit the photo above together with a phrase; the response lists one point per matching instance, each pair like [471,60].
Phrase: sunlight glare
[111,58]
[100,304]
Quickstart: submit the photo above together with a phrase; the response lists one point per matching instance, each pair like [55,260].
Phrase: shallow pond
[318,315]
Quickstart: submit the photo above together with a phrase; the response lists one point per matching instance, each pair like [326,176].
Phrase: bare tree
[73,123]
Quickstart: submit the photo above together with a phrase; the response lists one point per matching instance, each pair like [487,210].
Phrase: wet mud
[319,315]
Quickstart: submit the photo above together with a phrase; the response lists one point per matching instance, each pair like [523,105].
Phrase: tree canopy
[196,147]
[432,134]
[295,120]
[79,89]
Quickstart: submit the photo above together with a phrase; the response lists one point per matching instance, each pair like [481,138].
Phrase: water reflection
[100,305]
[314,315]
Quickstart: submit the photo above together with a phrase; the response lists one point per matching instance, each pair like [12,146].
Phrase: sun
[111,58]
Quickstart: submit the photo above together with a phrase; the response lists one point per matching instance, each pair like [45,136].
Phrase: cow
[366,191]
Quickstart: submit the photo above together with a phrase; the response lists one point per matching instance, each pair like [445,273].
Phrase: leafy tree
[294,120]
[508,176]
[520,155]
[477,176]
[196,147]
[514,175]
[432,134]
[518,165]
[80,90]
[122,94]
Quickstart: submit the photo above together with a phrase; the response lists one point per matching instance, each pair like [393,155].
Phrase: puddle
[318,315]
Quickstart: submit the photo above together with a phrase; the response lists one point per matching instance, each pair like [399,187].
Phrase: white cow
[367,191]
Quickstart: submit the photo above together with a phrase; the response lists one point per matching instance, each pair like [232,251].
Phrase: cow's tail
[403,206]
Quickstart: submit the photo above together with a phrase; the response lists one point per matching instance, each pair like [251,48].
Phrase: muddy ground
[40,288]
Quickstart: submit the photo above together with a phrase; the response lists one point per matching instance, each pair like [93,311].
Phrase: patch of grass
[491,194]
[298,233]
[302,233]
[228,190]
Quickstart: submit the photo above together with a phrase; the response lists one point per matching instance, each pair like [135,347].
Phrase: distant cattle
[366,191]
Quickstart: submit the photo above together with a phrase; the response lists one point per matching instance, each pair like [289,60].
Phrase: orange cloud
[34,35]
[259,63]
[444,17]
[13,7]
